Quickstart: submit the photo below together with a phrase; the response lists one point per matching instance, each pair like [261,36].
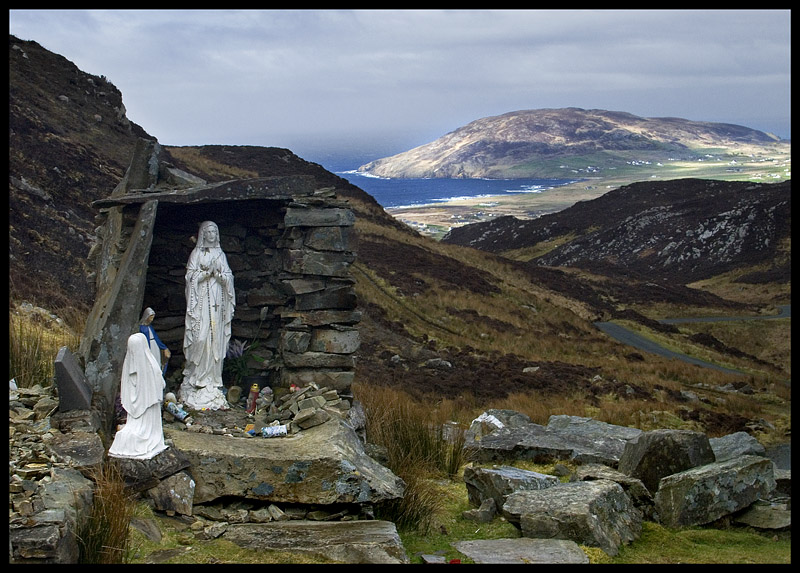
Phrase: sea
[398,193]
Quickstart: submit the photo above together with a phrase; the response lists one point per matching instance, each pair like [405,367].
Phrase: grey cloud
[282,77]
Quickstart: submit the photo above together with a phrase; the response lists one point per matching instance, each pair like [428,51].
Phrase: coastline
[436,219]
[744,163]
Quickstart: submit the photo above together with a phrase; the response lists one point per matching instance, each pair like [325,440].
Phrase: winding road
[625,336]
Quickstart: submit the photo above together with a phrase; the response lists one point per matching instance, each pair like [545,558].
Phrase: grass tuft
[103,534]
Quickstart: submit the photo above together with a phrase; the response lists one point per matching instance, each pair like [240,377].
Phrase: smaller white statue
[141,394]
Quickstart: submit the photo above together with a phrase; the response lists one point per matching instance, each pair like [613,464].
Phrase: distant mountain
[677,231]
[532,143]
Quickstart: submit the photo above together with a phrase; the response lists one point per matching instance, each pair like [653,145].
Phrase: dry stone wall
[295,299]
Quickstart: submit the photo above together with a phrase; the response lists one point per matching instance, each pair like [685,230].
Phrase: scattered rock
[522,550]
[768,515]
[735,445]
[483,514]
[353,542]
[703,494]
[659,453]
[596,513]
[500,482]
[635,489]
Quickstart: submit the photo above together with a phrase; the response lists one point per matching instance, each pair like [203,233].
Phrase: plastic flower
[236,348]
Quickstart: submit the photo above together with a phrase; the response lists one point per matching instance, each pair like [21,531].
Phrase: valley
[750,163]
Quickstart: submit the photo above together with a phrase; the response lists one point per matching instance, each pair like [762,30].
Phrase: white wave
[462,197]
[529,189]
[361,174]
[437,201]
[409,206]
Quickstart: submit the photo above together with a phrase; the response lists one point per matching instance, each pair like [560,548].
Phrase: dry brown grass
[194,156]
[103,534]
[34,338]
[417,447]
[536,324]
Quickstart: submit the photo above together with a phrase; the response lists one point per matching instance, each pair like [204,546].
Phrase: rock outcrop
[256,490]
[318,474]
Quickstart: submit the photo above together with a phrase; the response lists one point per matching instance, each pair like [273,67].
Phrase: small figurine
[172,406]
[141,394]
[158,348]
[251,399]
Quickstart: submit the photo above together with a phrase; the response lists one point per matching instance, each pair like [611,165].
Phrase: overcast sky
[383,81]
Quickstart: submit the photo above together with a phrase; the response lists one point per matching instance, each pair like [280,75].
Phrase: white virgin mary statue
[141,393]
[210,302]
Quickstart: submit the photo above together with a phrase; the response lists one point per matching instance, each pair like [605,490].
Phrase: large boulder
[596,513]
[500,482]
[639,494]
[323,465]
[700,495]
[659,453]
[582,440]
[735,445]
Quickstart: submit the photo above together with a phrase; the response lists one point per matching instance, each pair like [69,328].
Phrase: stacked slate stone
[47,494]
[299,409]
[308,407]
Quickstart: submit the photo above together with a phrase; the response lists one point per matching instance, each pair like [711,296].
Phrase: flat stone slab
[581,440]
[766,515]
[522,550]
[73,387]
[324,465]
[361,541]
[140,475]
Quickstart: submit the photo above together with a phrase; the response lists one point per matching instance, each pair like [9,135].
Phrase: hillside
[677,231]
[69,144]
[439,320]
[550,142]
